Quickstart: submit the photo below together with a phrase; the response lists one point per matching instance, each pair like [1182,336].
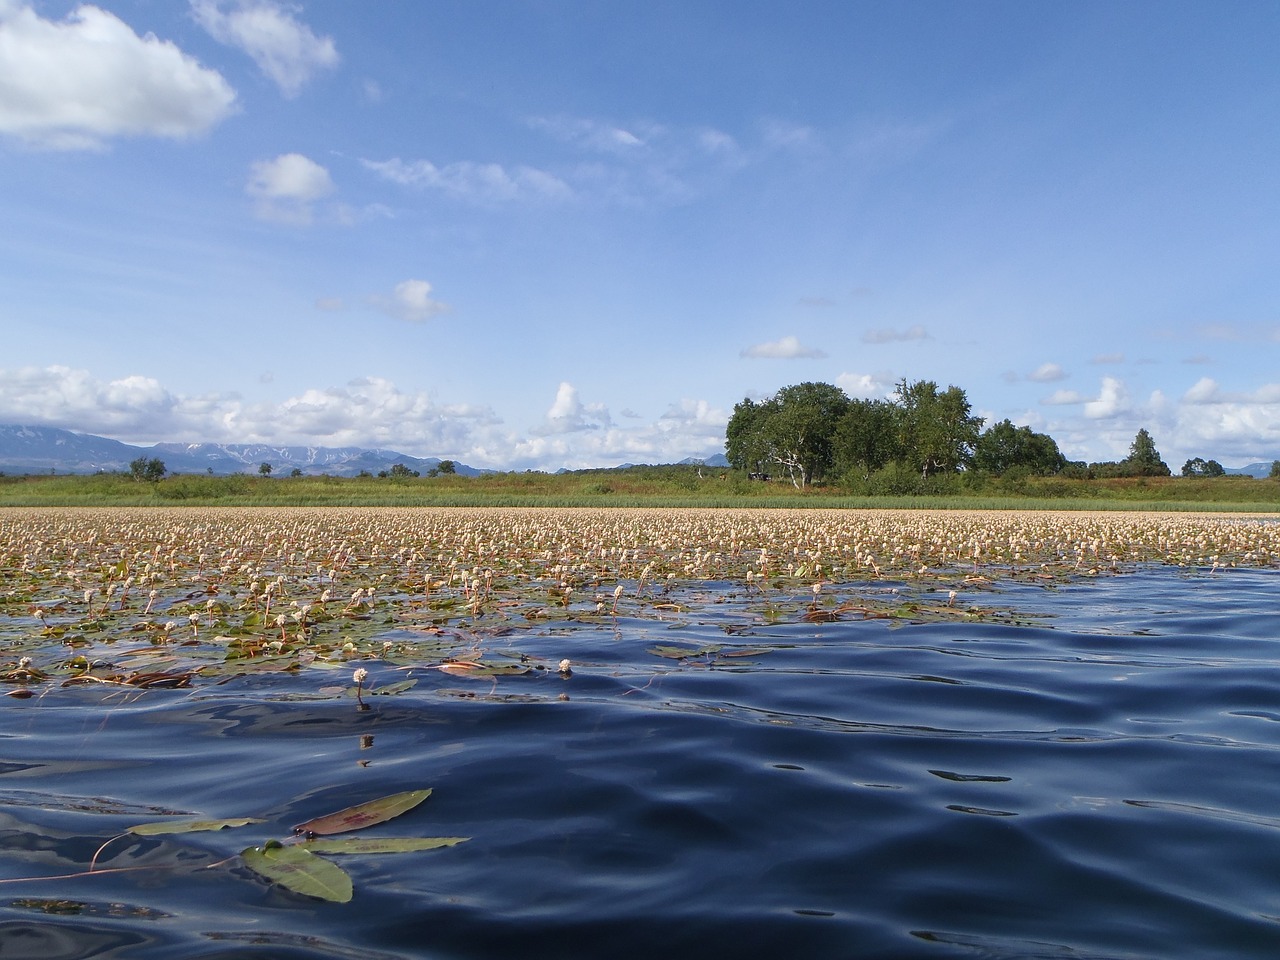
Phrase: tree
[264,469]
[147,469]
[1197,467]
[1144,459]
[745,446]
[295,472]
[1003,447]
[400,471]
[936,430]
[448,467]
[800,429]
[866,437]
[1275,470]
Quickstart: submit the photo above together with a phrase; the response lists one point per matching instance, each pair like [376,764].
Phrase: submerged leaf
[189,826]
[364,814]
[672,652]
[299,870]
[382,844]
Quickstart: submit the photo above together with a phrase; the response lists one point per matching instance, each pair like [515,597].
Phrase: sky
[575,233]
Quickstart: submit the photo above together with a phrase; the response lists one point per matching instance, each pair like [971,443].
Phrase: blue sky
[568,233]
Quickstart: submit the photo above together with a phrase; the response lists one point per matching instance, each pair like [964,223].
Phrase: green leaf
[364,814]
[672,652]
[382,844]
[299,870]
[189,826]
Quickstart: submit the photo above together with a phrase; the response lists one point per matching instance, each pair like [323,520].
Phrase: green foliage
[1196,467]
[400,472]
[1144,459]
[149,469]
[1275,470]
[264,469]
[1003,448]
[937,431]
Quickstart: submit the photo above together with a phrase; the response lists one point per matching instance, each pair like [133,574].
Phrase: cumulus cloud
[76,83]
[365,412]
[568,414]
[287,187]
[1112,401]
[483,182]
[411,300]
[369,412]
[915,332]
[284,49]
[788,348]
[870,386]
[1047,373]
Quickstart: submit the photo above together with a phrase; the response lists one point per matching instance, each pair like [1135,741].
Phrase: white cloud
[915,332]
[788,348]
[594,135]
[484,182]
[568,414]
[287,186]
[1112,401]
[73,84]
[870,386]
[282,47]
[1047,373]
[1064,397]
[411,300]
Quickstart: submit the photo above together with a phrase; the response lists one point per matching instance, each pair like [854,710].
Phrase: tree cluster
[143,468]
[814,431]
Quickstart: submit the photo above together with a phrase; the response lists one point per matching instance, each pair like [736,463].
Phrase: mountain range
[25,449]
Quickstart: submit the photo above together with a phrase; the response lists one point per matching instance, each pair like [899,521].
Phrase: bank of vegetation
[809,445]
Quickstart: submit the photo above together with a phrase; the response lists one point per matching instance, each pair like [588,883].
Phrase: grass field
[673,486]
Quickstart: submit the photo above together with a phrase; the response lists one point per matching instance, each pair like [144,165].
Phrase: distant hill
[1260,470]
[26,449]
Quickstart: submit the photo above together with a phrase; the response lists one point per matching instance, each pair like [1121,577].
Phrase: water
[1095,776]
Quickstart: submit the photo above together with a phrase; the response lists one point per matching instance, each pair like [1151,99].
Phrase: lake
[1035,766]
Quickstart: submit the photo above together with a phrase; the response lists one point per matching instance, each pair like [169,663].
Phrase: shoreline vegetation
[658,486]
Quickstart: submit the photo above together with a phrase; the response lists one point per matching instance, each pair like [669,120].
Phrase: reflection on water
[1100,782]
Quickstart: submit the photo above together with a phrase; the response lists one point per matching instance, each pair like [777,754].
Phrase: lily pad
[189,826]
[364,814]
[298,869]
[354,845]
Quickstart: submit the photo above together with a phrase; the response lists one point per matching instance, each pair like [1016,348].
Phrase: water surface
[1094,775]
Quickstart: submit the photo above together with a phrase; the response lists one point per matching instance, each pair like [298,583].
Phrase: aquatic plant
[237,592]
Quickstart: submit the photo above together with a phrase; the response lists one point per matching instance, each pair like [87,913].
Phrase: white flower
[566,667]
[360,676]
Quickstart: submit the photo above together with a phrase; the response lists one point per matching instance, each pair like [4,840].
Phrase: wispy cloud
[285,49]
[788,348]
[77,83]
[915,332]
[465,180]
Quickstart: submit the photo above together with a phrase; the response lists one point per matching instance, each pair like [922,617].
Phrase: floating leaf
[382,844]
[189,826]
[364,814]
[672,652]
[299,870]
[478,668]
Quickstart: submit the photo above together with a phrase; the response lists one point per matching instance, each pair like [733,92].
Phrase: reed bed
[157,597]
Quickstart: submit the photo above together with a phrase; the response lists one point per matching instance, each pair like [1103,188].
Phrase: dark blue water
[1096,776]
